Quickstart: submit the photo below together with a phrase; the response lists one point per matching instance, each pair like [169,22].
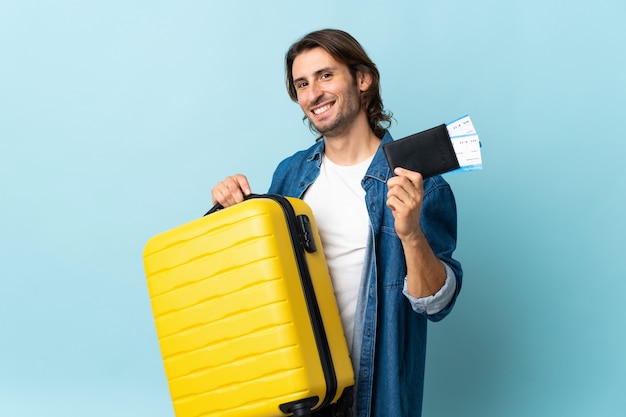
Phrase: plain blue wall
[116,119]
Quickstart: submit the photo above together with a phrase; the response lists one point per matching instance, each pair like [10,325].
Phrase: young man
[388,237]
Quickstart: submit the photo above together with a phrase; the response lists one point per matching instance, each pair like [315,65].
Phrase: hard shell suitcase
[245,312]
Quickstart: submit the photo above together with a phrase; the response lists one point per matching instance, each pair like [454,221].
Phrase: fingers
[414,177]
[404,198]
[231,190]
[406,187]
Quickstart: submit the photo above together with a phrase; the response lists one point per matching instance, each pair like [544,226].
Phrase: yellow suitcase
[245,312]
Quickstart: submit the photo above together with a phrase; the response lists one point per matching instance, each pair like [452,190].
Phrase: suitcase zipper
[301,240]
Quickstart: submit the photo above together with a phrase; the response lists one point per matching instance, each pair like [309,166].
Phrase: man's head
[346,50]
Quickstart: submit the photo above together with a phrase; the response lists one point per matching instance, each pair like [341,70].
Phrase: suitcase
[245,313]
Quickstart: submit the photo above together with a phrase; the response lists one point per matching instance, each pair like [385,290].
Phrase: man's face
[327,92]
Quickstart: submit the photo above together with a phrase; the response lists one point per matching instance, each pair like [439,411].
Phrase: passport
[429,152]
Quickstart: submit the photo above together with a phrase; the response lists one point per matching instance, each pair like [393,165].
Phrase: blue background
[117,118]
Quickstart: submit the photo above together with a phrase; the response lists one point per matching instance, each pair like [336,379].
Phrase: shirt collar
[378,169]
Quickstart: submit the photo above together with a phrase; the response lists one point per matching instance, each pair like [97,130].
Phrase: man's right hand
[231,190]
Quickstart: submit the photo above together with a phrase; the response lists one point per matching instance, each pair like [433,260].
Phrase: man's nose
[315,92]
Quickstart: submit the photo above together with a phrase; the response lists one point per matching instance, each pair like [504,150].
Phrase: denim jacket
[389,345]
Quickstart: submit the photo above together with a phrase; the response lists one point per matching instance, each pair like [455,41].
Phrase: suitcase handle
[218,206]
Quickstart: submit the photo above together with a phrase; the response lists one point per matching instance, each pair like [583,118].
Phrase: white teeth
[321,109]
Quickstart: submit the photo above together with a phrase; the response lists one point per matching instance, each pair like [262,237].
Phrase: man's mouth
[322,109]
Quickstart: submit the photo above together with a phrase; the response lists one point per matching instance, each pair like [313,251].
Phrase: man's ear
[364,80]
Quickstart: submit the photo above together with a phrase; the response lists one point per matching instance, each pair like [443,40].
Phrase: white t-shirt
[338,204]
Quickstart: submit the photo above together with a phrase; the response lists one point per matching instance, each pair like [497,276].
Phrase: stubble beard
[344,119]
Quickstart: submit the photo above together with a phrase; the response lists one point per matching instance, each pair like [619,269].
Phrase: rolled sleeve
[433,304]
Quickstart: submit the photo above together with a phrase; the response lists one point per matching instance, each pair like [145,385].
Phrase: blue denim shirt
[389,345]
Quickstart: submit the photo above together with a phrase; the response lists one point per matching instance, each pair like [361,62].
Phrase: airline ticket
[466,144]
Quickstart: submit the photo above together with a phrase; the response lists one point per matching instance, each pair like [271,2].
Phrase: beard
[344,118]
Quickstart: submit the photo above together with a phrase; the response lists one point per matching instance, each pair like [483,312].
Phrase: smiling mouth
[322,109]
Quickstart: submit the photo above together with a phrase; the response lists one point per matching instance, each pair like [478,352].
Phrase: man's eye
[326,76]
[301,85]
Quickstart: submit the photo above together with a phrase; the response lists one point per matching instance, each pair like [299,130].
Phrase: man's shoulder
[291,171]
[304,155]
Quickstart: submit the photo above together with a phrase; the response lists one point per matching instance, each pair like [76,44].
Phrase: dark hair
[346,50]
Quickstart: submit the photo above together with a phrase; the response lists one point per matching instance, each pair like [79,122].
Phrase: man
[388,237]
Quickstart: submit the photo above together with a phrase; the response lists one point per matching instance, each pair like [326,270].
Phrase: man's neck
[353,146]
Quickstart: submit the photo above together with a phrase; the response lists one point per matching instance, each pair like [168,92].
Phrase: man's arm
[426,274]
